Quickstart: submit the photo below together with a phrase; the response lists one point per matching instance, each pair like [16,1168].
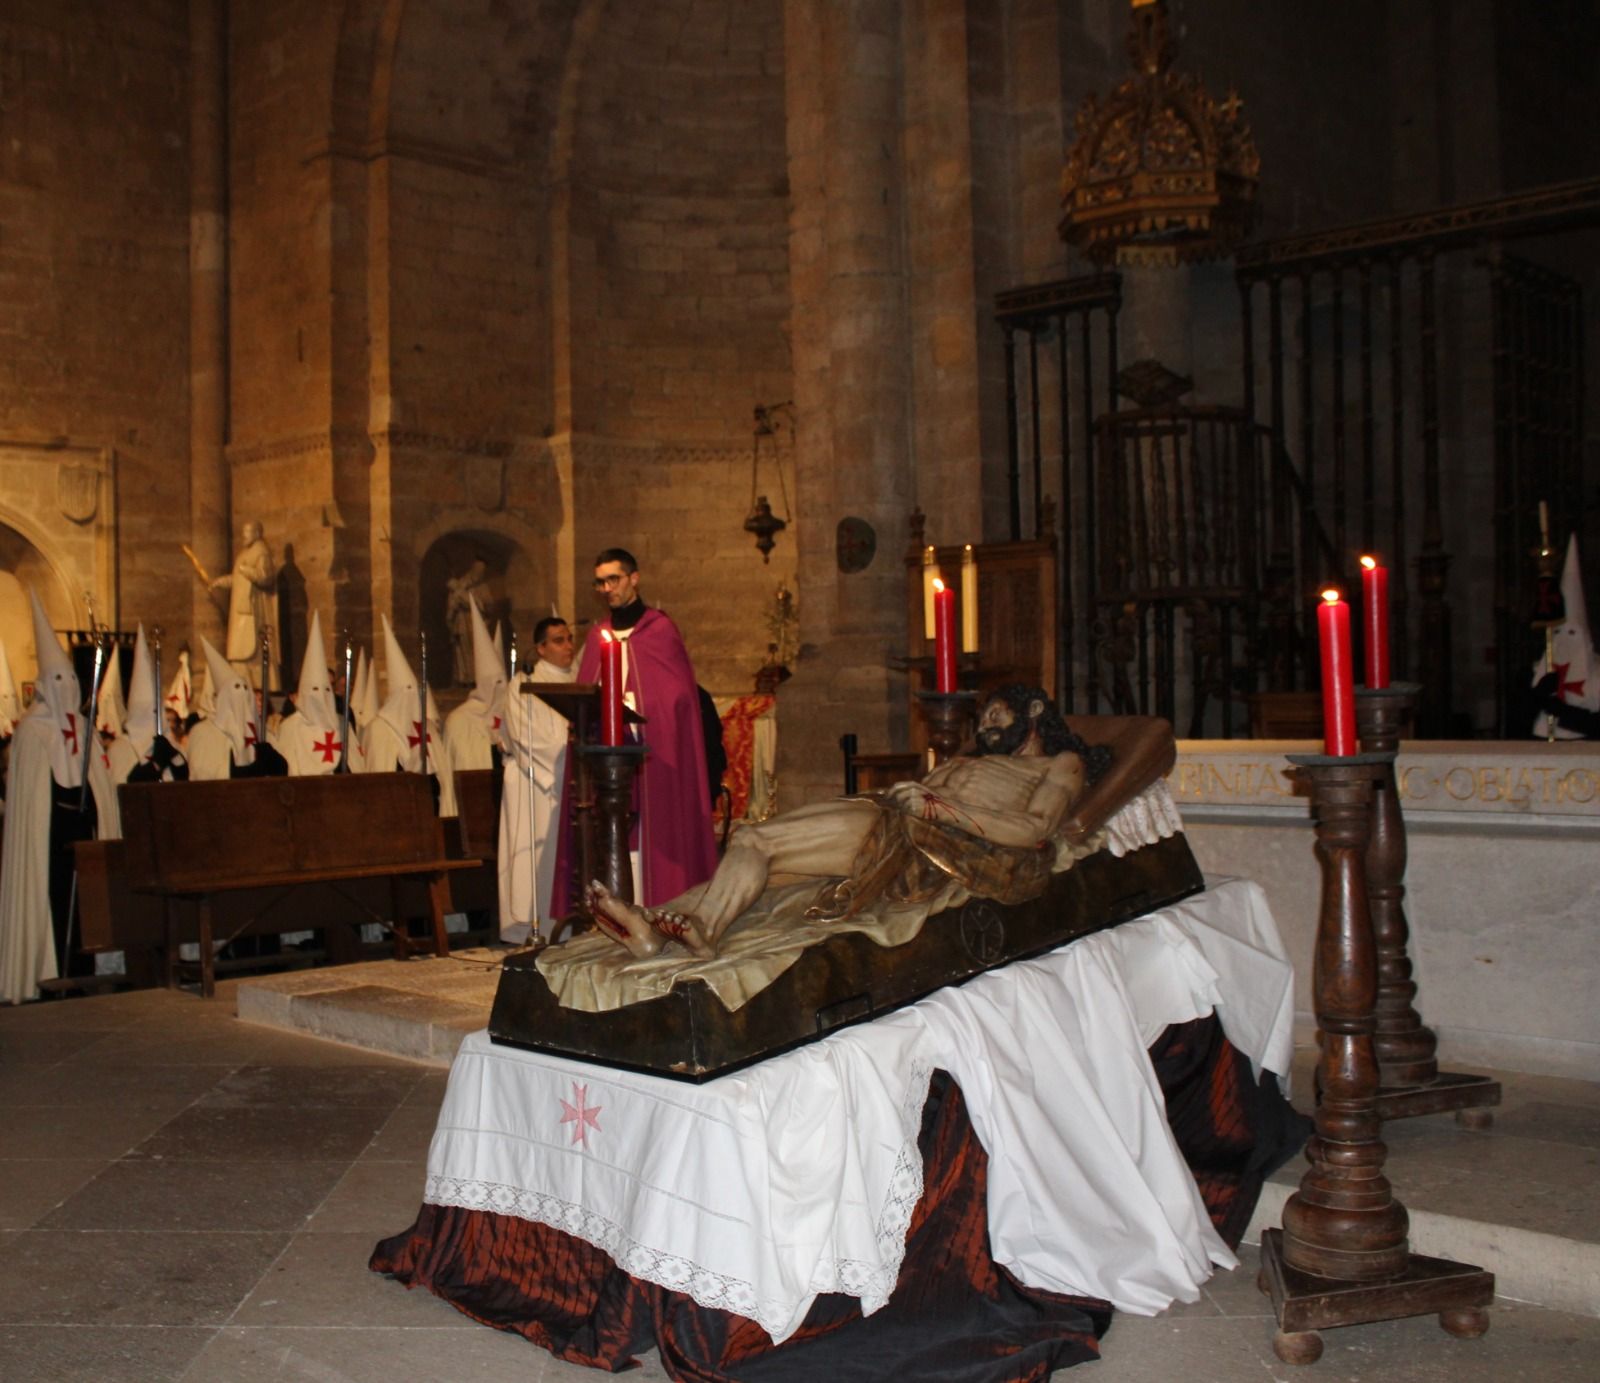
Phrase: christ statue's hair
[1055,735]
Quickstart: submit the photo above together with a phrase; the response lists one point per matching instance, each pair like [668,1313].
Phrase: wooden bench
[187,843]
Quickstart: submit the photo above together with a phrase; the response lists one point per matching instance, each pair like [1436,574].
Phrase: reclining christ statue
[987,822]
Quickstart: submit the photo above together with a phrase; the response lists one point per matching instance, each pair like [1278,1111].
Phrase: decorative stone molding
[1439,780]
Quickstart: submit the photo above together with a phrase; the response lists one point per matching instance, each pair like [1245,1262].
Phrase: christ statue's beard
[1002,739]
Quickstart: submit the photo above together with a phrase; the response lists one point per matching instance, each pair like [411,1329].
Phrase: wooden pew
[474,833]
[300,842]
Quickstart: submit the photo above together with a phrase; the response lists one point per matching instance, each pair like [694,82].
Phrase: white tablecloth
[755,1192]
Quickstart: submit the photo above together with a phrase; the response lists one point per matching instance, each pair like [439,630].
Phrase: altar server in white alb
[44,794]
[530,806]
[394,740]
[476,728]
[10,702]
[227,742]
[311,738]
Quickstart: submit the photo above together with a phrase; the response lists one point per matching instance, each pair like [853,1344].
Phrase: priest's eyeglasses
[605,583]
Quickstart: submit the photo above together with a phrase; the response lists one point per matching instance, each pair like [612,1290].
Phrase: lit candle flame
[1331,595]
[1370,563]
[938,584]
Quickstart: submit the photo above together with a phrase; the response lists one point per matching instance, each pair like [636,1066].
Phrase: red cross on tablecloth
[327,746]
[580,1114]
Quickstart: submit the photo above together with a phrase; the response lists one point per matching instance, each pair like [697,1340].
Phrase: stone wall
[94,268]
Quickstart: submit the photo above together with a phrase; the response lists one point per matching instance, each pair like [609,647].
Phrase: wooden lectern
[601,780]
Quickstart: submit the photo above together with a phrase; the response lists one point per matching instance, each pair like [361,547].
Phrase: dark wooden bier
[689,1035]
[294,845]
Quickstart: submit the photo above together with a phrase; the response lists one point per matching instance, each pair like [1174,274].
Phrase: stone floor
[187,1196]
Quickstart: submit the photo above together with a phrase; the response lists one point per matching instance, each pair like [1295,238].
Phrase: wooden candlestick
[1342,1257]
[950,717]
[1409,1080]
[611,770]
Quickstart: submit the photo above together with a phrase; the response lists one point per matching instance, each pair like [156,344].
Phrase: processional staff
[349,693]
[266,667]
[83,790]
[422,697]
[155,664]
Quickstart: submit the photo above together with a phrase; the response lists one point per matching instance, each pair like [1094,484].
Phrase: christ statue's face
[615,585]
[252,533]
[1000,729]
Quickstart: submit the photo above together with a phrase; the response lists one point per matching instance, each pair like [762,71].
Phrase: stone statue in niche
[461,594]
[252,598]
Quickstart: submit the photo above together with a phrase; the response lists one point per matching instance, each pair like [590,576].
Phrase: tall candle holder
[612,768]
[950,717]
[1410,1082]
[1342,1257]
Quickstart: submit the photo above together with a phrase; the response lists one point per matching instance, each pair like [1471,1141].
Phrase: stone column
[209,498]
[851,382]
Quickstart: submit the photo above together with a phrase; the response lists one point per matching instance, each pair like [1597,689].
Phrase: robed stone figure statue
[252,595]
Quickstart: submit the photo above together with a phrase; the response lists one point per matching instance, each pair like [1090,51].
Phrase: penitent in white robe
[27,943]
[530,812]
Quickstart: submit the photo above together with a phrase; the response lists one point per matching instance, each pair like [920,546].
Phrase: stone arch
[506,569]
[27,561]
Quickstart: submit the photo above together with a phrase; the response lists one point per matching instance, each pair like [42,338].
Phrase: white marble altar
[1503,885]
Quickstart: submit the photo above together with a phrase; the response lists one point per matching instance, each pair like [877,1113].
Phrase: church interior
[1140,321]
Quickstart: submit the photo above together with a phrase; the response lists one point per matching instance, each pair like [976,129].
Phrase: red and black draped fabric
[956,1315]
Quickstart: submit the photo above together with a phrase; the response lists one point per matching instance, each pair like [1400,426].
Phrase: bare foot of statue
[680,927]
[622,921]
[644,930]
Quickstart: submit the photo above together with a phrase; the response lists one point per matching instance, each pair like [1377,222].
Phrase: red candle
[610,689]
[1338,683]
[944,637]
[1375,622]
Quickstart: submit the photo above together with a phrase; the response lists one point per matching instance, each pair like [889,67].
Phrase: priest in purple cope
[673,836]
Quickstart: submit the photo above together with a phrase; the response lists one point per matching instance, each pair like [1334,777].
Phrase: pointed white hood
[56,698]
[180,691]
[314,699]
[10,702]
[488,699]
[234,711]
[357,690]
[109,709]
[1572,649]
[140,722]
[401,709]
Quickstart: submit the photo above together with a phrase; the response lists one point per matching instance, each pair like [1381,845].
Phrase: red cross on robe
[414,740]
[327,746]
[1563,686]
[250,734]
[71,731]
